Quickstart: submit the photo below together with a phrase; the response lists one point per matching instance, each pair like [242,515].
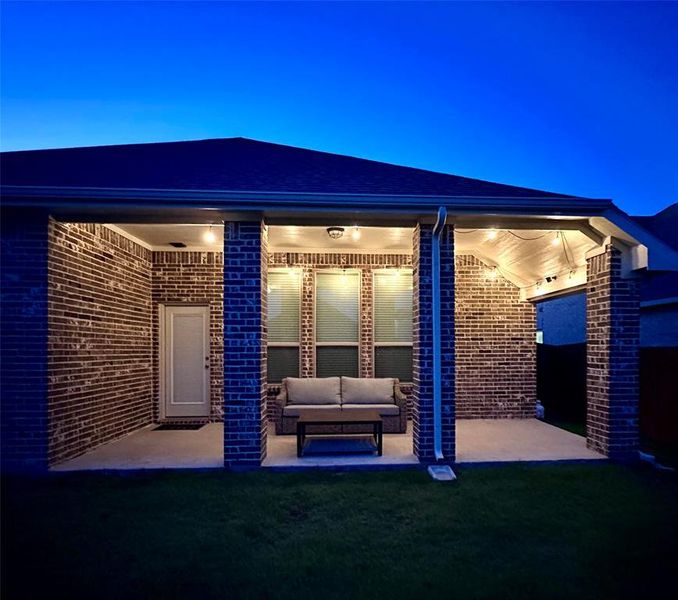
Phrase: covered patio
[479,441]
[194,306]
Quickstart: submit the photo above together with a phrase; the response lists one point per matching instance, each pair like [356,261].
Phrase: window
[393,324]
[284,295]
[337,323]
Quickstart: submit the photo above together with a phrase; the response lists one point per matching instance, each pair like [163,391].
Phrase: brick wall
[187,277]
[613,343]
[23,349]
[245,269]
[495,345]
[100,359]
[422,407]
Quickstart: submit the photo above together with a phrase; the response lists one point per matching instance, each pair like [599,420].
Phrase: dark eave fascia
[265,202]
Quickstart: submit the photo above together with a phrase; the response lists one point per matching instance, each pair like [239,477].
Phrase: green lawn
[569,531]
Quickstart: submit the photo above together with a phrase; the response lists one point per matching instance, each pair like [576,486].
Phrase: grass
[585,531]
[665,453]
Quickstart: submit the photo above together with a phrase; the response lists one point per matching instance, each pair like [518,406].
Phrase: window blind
[283,306]
[337,307]
[393,361]
[393,307]
[283,361]
[335,361]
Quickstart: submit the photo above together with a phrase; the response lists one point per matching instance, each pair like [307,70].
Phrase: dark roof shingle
[237,164]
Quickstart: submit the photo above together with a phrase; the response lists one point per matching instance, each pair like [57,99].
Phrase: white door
[187,361]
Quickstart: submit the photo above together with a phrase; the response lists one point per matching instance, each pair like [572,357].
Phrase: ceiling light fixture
[355,234]
[335,232]
[209,236]
[556,240]
[492,234]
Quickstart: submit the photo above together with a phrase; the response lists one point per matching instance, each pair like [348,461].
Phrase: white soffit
[290,238]
[281,238]
[158,237]
[528,256]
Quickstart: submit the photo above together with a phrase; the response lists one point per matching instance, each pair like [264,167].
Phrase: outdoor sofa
[336,395]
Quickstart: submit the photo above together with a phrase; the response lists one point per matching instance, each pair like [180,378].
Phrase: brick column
[245,268]
[23,360]
[422,409]
[613,339]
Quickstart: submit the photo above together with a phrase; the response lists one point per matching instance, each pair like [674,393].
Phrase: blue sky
[572,97]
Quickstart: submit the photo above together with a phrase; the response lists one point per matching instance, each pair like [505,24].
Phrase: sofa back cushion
[313,390]
[367,391]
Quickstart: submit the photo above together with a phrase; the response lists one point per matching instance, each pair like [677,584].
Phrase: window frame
[356,344]
[375,343]
[297,344]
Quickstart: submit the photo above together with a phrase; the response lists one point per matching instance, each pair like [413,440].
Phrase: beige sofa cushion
[385,410]
[313,390]
[367,390]
[296,410]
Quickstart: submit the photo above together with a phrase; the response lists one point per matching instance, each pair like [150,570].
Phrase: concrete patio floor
[478,441]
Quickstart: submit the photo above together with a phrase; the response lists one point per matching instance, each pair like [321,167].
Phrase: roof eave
[317,202]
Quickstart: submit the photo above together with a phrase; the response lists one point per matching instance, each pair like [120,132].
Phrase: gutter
[437,371]
[48,196]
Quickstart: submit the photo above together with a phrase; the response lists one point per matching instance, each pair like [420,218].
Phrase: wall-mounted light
[492,273]
[209,236]
[355,234]
[335,232]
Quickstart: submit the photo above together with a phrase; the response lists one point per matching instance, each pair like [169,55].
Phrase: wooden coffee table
[371,417]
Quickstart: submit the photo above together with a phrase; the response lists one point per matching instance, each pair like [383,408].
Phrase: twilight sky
[580,98]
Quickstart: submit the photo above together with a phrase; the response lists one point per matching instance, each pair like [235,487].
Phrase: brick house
[103,247]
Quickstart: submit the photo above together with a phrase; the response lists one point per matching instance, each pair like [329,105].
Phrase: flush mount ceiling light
[335,232]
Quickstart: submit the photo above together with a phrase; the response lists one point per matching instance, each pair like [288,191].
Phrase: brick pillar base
[613,340]
[23,361]
[422,408]
[245,268]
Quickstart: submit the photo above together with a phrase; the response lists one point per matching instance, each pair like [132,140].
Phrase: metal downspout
[437,371]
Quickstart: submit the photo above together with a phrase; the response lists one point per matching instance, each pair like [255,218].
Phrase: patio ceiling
[528,258]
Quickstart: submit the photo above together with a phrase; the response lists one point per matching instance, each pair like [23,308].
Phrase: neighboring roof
[237,164]
[663,225]
[660,286]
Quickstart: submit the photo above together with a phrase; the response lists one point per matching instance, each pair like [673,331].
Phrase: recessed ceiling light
[209,236]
